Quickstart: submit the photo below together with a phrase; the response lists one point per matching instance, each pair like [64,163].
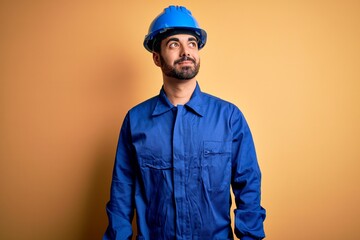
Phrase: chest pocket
[216,165]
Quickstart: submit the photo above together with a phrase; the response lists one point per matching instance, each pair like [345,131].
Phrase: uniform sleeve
[246,182]
[120,208]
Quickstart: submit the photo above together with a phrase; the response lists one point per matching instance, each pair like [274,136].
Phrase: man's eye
[193,44]
[173,45]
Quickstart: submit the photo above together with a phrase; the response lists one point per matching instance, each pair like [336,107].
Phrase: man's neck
[179,91]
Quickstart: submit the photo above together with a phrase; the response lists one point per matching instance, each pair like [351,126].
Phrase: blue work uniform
[175,166]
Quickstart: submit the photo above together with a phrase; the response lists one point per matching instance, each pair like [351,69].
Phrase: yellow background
[69,71]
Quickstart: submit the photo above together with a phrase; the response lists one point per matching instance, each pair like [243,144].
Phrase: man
[179,152]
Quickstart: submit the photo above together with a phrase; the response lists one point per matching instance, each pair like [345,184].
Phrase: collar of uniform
[195,102]
[163,104]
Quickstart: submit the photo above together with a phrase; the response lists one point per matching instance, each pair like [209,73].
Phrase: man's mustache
[185,58]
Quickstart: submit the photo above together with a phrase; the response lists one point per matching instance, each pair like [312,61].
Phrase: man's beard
[185,73]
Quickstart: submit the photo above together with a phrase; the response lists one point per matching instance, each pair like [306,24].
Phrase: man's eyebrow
[192,39]
[172,39]
[177,39]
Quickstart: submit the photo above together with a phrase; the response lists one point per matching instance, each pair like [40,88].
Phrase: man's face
[179,56]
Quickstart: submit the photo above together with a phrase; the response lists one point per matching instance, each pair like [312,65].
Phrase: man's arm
[246,182]
[120,208]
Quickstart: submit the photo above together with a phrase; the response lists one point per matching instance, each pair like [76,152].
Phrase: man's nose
[184,51]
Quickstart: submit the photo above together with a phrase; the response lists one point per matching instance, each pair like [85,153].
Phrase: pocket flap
[216,147]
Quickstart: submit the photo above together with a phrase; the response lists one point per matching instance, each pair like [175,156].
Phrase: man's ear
[156,58]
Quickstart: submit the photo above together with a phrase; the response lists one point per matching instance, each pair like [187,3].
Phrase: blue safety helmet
[174,19]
